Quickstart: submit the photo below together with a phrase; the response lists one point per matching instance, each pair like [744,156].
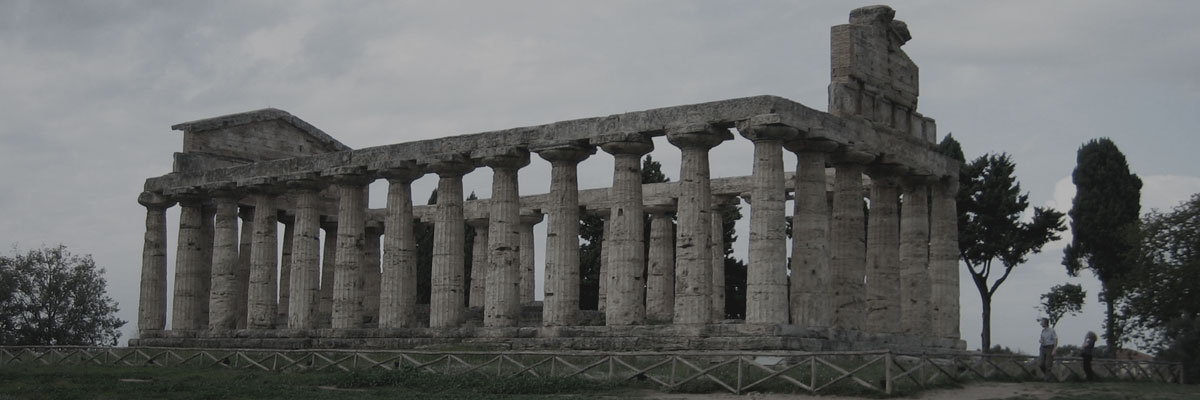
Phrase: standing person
[1048,342]
[1089,344]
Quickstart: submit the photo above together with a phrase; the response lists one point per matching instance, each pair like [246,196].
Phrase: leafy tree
[1163,294]
[951,148]
[1104,218]
[1061,300]
[49,296]
[990,206]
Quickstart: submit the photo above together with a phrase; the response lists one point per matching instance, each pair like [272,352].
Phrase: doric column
[328,266]
[477,290]
[883,251]
[306,244]
[848,245]
[245,239]
[660,267]
[716,242]
[398,297]
[693,272]
[371,274]
[189,266]
[810,295]
[152,301]
[914,258]
[285,262]
[263,254]
[561,303]
[348,282]
[943,259]
[766,273]
[623,238]
[208,214]
[502,305]
[222,306]
[602,276]
[446,297]
[528,220]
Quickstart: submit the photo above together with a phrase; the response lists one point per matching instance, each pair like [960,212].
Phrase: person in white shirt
[1048,342]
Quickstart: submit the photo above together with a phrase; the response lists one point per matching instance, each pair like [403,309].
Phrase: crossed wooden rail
[736,372]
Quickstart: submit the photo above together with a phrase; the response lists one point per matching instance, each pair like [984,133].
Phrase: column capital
[398,171]
[631,143]
[767,127]
[848,155]
[450,165]
[531,217]
[801,145]
[155,201]
[478,223]
[702,135]
[193,196]
[571,152]
[508,157]
[348,175]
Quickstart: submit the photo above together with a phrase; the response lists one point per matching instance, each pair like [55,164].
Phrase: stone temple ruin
[887,281]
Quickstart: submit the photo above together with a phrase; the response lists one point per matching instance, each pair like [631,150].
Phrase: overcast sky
[89,90]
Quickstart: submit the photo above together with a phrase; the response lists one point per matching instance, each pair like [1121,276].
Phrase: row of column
[845,272]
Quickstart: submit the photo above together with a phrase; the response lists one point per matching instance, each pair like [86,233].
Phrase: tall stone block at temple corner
[349,275]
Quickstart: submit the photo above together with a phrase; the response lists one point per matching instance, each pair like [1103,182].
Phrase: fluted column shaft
[943,259]
[561,303]
[766,273]
[351,245]
[446,299]
[222,298]
[306,242]
[189,268]
[717,255]
[528,249]
[285,263]
[693,267]
[660,269]
[602,278]
[848,246]
[328,266]
[503,296]
[245,242]
[263,263]
[914,259]
[810,281]
[477,293]
[398,297]
[883,254]
[623,238]
[152,300]
[371,274]
[208,214]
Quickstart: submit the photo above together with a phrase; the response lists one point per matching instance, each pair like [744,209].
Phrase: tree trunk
[1110,332]
[986,333]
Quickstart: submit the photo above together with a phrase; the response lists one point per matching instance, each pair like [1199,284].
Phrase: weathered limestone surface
[222,300]
[693,273]
[848,247]
[943,259]
[717,256]
[883,253]
[766,272]
[351,249]
[809,295]
[285,263]
[398,297]
[189,269]
[914,259]
[625,295]
[245,242]
[479,263]
[502,307]
[263,262]
[446,302]
[562,234]
[306,244]
[528,269]
[602,291]
[660,279]
[371,274]
[328,266]
[152,302]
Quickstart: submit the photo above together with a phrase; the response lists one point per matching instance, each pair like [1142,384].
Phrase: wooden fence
[736,372]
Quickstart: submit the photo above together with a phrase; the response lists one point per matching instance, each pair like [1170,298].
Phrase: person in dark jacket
[1089,345]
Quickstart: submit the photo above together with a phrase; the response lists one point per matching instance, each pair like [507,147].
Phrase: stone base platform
[721,336]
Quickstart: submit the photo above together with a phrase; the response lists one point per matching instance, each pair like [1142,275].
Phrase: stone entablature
[271,168]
